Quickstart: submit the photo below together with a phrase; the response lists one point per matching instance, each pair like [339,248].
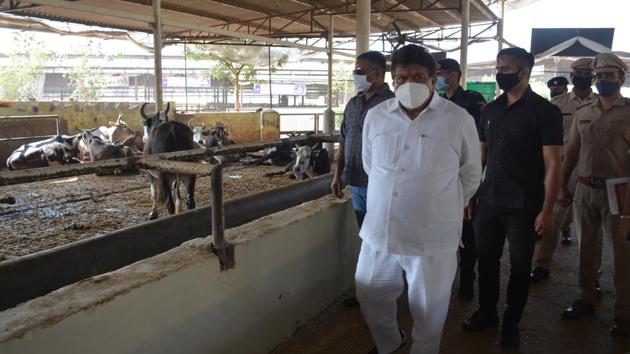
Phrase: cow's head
[219,130]
[150,123]
[302,159]
[87,137]
[120,131]
[199,132]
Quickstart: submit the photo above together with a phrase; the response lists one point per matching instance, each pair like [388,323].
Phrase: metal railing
[316,117]
[48,116]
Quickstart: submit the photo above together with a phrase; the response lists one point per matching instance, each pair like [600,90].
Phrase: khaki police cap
[582,64]
[607,62]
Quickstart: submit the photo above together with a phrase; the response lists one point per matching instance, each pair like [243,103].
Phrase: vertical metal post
[463,54]
[157,52]
[329,114]
[58,124]
[497,90]
[217,206]
[364,8]
[186,74]
[269,63]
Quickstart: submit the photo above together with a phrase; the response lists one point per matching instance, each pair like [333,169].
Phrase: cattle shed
[257,267]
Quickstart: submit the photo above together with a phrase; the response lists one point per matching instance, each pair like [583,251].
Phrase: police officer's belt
[593,182]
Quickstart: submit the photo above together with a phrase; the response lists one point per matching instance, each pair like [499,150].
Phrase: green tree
[86,78]
[21,78]
[236,63]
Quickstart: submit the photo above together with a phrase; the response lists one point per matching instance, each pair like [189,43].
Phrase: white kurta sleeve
[470,160]
[366,145]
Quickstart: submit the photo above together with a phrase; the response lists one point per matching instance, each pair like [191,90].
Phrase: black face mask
[582,83]
[507,81]
[555,93]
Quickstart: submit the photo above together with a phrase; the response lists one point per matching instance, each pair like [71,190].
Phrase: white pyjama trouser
[379,282]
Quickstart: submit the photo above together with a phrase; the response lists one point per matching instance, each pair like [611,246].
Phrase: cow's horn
[203,125]
[144,115]
[190,123]
[168,107]
[120,115]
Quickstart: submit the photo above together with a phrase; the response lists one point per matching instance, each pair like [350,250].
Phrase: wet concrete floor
[343,330]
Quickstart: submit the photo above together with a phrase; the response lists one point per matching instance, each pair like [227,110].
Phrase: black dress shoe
[566,238]
[351,302]
[510,336]
[480,320]
[539,274]
[620,327]
[403,341]
[578,310]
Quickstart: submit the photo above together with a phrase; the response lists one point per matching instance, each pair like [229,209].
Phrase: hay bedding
[41,215]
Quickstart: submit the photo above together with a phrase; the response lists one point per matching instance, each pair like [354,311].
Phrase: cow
[306,157]
[278,156]
[121,134]
[160,136]
[57,150]
[99,150]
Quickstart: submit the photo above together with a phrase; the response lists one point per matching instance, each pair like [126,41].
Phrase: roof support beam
[77,6]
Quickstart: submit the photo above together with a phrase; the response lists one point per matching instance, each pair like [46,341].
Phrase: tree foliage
[234,64]
[22,78]
[86,78]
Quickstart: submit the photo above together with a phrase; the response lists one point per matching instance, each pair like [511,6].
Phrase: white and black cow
[99,150]
[57,150]
[308,161]
[160,136]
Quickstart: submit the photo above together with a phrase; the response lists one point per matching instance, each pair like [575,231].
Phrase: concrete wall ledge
[289,267]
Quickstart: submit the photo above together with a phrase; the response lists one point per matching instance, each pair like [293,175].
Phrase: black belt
[599,183]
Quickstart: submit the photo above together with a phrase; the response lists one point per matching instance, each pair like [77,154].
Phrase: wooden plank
[46,173]
[186,168]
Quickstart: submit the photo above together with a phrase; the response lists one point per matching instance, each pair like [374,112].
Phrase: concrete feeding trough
[289,266]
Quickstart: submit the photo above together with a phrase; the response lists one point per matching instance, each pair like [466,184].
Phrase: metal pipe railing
[43,116]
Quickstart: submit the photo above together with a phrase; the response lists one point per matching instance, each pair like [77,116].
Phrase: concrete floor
[343,330]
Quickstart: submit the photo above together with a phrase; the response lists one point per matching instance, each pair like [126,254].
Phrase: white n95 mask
[361,83]
[412,94]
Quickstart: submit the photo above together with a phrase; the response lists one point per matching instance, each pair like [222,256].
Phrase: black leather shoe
[351,302]
[403,339]
[620,327]
[510,336]
[578,310]
[566,238]
[539,274]
[480,321]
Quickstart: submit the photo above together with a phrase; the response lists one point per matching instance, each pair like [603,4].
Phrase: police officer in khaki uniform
[582,94]
[557,86]
[598,150]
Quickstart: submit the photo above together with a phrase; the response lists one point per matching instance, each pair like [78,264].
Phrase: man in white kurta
[423,163]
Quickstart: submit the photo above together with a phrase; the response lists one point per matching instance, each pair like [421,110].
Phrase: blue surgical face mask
[441,84]
[607,88]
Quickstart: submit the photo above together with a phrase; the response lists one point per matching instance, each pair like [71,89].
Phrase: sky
[517,29]
[559,14]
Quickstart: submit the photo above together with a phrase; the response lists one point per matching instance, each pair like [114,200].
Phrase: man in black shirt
[449,74]
[521,137]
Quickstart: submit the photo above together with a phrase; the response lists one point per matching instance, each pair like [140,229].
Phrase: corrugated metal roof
[268,18]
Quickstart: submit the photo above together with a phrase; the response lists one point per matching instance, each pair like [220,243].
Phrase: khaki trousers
[592,219]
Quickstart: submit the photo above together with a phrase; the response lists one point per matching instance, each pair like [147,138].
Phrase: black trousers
[492,226]
[467,256]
